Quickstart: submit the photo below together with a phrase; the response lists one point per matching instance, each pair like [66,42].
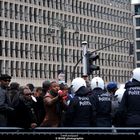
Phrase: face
[65,91]
[38,93]
[85,78]
[27,93]
[54,87]
[5,82]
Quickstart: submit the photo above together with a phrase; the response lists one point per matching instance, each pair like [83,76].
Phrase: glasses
[7,80]
[28,94]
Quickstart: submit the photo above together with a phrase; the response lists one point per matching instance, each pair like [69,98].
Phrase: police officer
[103,102]
[80,109]
[112,87]
[129,109]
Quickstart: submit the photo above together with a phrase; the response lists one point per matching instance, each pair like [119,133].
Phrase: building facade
[30,55]
[136,23]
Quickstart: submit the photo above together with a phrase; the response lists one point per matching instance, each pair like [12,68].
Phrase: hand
[33,125]
[10,109]
[62,94]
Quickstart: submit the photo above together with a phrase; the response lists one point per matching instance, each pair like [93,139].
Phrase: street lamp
[131,52]
[62,26]
[130,46]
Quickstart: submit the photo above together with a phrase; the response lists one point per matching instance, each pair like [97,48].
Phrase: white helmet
[97,82]
[120,93]
[77,83]
[136,74]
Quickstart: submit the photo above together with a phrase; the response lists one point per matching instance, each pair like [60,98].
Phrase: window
[138,44]
[16,49]
[6,48]
[138,33]
[138,64]
[137,21]
[137,9]
[138,56]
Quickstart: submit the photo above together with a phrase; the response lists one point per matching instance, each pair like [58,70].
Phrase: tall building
[136,22]
[30,55]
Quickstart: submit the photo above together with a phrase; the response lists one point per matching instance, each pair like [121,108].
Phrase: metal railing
[71,130]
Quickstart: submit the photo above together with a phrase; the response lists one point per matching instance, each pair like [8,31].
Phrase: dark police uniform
[81,110]
[103,107]
[129,109]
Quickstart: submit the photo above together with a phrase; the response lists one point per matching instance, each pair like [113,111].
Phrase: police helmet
[111,86]
[119,92]
[77,83]
[136,74]
[97,82]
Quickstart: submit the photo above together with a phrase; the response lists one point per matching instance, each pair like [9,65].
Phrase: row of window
[38,52]
[40,15]
[35,33]
[73,5]
[39,34]
[53,54]
[22,69]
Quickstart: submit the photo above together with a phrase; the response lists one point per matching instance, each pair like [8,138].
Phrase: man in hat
[4,83]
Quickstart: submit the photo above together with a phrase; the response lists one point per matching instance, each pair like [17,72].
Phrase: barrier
[66,133]
[71,130]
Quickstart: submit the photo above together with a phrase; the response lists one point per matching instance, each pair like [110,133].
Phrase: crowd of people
[83,104]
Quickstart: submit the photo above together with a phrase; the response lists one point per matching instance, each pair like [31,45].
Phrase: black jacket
[129,109]
[80,110]
[25,113]
[103,107]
